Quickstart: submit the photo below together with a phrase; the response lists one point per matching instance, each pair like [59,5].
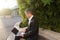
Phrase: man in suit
[31,32]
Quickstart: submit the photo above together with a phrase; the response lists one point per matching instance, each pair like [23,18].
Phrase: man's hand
[24,30]
[22,34]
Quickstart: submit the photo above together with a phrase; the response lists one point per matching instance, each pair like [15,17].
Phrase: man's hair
[28,10]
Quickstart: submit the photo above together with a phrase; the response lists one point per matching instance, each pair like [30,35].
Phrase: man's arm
[23,31]
[33,29]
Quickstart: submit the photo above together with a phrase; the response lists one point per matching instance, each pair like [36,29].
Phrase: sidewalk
[49,34]
[6,25]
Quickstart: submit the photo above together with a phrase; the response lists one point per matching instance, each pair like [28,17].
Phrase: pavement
[6,25]
[48,34]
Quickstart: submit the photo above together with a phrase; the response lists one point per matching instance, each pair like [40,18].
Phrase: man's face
[27,14]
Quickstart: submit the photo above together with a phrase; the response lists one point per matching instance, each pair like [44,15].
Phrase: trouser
[17,37]
[33,38]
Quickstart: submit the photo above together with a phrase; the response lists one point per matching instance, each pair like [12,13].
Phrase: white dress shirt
[30,20]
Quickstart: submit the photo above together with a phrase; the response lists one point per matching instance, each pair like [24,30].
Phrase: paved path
[6,25]
[51,35]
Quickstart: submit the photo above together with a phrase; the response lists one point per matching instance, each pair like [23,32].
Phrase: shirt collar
[30,17]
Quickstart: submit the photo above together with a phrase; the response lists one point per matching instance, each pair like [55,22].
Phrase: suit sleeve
[33,29]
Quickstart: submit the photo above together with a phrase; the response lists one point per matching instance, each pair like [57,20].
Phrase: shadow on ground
[42,38]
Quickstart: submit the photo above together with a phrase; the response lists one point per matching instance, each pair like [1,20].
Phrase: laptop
[15,31]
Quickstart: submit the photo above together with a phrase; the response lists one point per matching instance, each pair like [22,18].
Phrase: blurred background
[47,13]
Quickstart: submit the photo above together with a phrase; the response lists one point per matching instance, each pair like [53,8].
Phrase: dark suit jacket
[32,30]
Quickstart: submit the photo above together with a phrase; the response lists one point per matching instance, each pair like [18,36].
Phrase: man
[31,32]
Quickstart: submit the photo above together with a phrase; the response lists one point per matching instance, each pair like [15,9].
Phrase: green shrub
[46,11]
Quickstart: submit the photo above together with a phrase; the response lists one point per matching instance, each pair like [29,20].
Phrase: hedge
[46,11]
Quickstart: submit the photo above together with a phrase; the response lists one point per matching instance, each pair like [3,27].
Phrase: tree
[46,11]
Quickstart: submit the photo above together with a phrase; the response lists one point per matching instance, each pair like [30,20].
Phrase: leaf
[46,2]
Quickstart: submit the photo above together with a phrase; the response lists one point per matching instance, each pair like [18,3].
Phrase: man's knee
[17,37]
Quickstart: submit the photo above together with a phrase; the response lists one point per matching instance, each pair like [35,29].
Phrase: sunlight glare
[7,4]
